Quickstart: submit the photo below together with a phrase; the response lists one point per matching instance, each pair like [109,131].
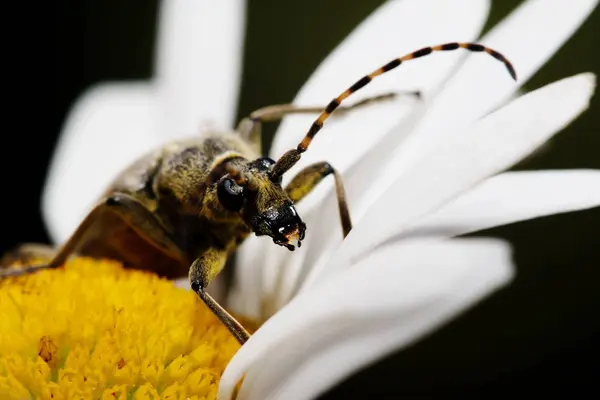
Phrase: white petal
[199,63]
[490,146]
[251,292]
[512,197]
[386,302]
[396,27]
[106,130]
[528,37]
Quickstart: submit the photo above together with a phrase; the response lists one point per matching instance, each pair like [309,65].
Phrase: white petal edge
[108,128]
[512,197]
[488,147]
[412,26]
[386,302]
[198,64]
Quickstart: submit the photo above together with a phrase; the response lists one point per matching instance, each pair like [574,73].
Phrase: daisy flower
[417,173]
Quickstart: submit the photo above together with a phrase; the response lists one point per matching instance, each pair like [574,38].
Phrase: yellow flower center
[95,330]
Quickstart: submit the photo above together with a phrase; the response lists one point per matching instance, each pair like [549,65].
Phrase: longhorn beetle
[184,208]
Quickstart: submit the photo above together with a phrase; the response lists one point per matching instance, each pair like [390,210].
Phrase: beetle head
[256,194]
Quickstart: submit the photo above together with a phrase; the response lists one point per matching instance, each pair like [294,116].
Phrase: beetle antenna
[292,156]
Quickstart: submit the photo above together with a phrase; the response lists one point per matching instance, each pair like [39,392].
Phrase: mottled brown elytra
[185,207]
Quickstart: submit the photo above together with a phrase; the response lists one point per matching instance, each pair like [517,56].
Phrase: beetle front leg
[307,179]
[132,212]
[203,270]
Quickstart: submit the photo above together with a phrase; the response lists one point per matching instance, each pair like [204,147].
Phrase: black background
[539,336]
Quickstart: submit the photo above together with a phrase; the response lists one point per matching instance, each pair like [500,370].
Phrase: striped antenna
[318,124]
[292,156]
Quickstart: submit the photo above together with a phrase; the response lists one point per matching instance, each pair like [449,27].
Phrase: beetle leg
[250,127]
[202,272]
[132,212]
[308,178]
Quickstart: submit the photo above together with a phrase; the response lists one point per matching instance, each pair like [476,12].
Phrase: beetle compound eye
[231,195]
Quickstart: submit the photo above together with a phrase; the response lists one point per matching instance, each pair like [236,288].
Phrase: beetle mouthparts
[290,236]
